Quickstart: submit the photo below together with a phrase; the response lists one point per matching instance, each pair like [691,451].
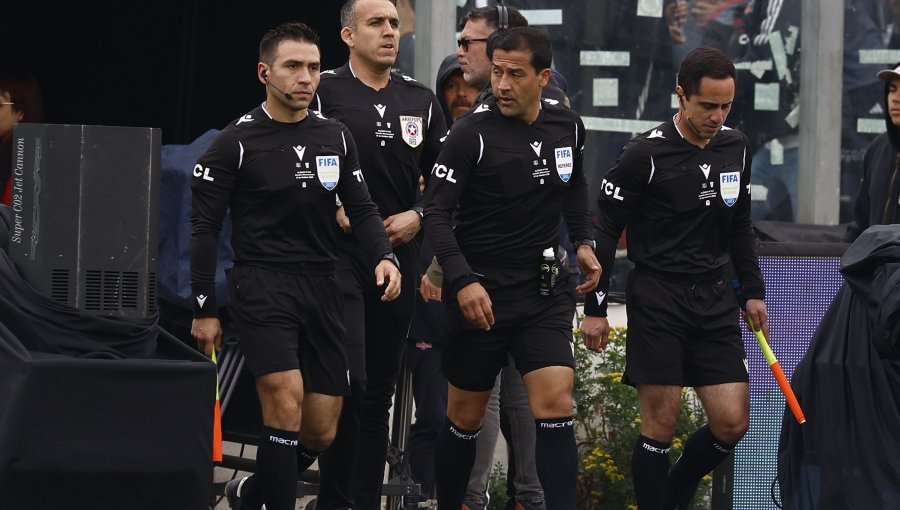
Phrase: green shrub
[497,488]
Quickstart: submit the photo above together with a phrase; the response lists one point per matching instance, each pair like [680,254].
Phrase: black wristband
[203,301]
[595,303]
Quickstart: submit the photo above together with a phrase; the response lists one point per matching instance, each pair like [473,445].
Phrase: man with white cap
[878,198]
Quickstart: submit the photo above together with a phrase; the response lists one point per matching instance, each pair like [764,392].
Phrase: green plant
[607,424]
[497,488]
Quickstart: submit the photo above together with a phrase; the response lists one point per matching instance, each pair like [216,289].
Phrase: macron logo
[381,109]
[656,134]
[245,118]
[300,150]
[600,297]
[482,108]
[201,299]
[705,169]
[654,449]
[282,441]
[536,146]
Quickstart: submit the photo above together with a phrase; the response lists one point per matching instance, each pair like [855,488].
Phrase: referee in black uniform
[683,191]
[397,124]
[278,169]
[509,169]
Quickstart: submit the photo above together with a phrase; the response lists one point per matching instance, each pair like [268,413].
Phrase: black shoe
[231,494]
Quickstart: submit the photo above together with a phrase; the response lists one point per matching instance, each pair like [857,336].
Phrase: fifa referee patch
[730,187]
[564,163]
[328,168]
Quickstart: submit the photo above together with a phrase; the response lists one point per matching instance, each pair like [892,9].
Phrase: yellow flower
[614,376]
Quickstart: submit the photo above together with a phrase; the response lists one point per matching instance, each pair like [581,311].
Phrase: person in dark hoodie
[879,189]
[455,95]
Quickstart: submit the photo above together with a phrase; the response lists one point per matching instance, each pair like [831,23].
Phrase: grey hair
[347,14]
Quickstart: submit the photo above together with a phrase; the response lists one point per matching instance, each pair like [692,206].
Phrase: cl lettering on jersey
[564,164]
[358,174]
[328,169]
[442,172]
[200,171]
[730,187]
[611,189]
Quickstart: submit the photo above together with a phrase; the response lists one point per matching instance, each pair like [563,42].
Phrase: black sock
[702,453]
[276,465]
[250,493]
[454,457]
[556,458]
[305,458]
[338,463]
[649,465]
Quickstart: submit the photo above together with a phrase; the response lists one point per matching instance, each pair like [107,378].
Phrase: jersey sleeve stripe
[652,169]
[480,148]
[241,156]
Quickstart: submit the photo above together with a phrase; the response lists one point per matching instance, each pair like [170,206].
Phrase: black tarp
[97,412]
[847,454]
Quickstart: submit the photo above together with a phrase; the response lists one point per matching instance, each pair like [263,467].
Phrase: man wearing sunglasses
[475,29]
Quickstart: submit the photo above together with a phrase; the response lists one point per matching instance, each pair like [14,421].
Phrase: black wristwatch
[393,258]
[588,242]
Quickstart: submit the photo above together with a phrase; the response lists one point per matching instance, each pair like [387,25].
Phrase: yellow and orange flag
[217,418]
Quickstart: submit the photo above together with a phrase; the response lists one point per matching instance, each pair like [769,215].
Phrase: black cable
[772,492]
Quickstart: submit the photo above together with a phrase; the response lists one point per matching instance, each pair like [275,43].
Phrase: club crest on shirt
[564,163]
[328,168]
[411,130]
[730,187]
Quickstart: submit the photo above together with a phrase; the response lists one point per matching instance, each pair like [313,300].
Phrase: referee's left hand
[387,272]
[402,227]
[756,311]
[476,305]
[590,267]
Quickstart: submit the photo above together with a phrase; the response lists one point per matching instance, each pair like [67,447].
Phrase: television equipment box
[85,212]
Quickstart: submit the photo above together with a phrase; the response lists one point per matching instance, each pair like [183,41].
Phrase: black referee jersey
[687,209]
[511,181]
[398,132]
[279,179]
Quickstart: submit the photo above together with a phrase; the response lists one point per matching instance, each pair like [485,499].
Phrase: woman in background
[20,101]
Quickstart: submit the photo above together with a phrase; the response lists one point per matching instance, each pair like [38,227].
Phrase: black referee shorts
[288,321]
[682,334]
[536,330]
